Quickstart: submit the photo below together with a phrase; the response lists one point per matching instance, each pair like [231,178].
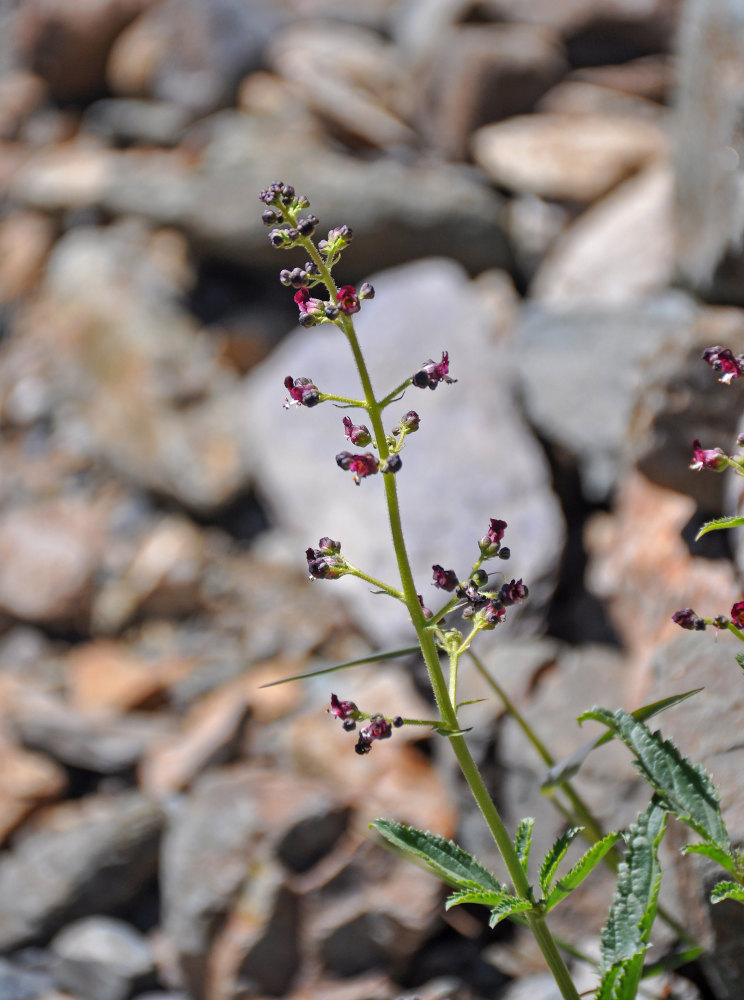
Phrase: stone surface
[27,781]
[101,958]
[620,251]
[103,852]
[591,355]
[106,678]
[25,240]
[49,553]
[409,323]
[572,157]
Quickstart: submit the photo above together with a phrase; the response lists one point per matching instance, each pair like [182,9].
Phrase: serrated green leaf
[735,521]
[621,981]
[687,790]
[390,654]
[523,842]
[509,907]
[576,875]
[444,857]
[554,857]
[727,890]
[713,851]
[626,933]
[485,897]
[565,769]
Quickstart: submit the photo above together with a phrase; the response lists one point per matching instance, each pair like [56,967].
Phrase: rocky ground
[171,829]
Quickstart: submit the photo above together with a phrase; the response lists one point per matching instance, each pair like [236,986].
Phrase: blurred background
[549,189]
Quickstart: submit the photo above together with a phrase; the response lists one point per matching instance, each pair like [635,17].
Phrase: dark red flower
[707,458]
[361,465]
[493,613]
[432,373]
[513,592]
[358,434]
[302,391]
[378,728]
[324,565]
[686,618]
[342,709]
[723,361]
[737,614]
[306,304]
[445,579]
[491,541]
[348,301]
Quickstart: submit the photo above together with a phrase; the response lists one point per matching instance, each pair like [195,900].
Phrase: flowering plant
[482,600]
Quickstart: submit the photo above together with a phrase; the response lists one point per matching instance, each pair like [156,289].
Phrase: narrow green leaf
[470,701]
[576,875]
[735,521]
[523,842]
[444,857]
[451,732]
[727,890]
[554,857]
[565,769]
[626,933]
[687,790]
[508,908]
[390,654]
[724,858]
[740,659]
[485,897]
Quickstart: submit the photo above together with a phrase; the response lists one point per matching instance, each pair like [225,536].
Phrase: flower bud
[479,578]
[686,618]
[410,422]
[270,217]
[491,541]
[392,464]
[444,579]
[366,291]
[713,459]
[737,614]
[358,435]
[328,547]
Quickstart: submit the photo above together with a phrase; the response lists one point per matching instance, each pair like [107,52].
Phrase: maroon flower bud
[493,613]
[366,291]
[270,217]
[432,373]
[410,422]
[358,434]
[378,728]
[349,725]
[444,579]
[342,709]
[362,746]
[504,552]
[427,613]
[392,463]
[737,614]
[513,592]
[398,721]
[287,193]
[491,541]
[348,302]
[707,458]
[302,391]
[722,360]
[328,547]
[686,618]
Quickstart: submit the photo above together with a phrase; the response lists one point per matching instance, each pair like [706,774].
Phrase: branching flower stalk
[484,608]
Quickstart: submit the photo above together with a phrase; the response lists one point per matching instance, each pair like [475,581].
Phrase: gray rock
[312,837]
[19,983]
[580,370]
[100,958]
[100,859]
[484,462]
[156,123]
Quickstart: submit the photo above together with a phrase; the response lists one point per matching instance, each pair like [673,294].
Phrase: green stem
[392,396]
[358,404]
[376,583]
[737,632]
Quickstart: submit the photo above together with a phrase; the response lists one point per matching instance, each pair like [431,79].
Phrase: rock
[162,580]
[191,54]
[27,781]
[651,77]
[19,983]
[96,861]
[640,565]
[21,93]
[218,870]
[150,123]
[577,97]
[69,48]
[110,306]
[106,677]
[97,743]
[359,95]
[411,310]
[619,251]
[101,958]
[49,553]
[556,354]
[478,74]
[571,157]
[25,241]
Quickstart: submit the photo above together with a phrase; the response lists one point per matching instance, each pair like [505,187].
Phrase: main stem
[446,709]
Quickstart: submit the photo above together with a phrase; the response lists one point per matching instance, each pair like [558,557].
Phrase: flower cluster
[302,392]
[326,562]
[432,373]
[376,728]
[688,619]
[723,361]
